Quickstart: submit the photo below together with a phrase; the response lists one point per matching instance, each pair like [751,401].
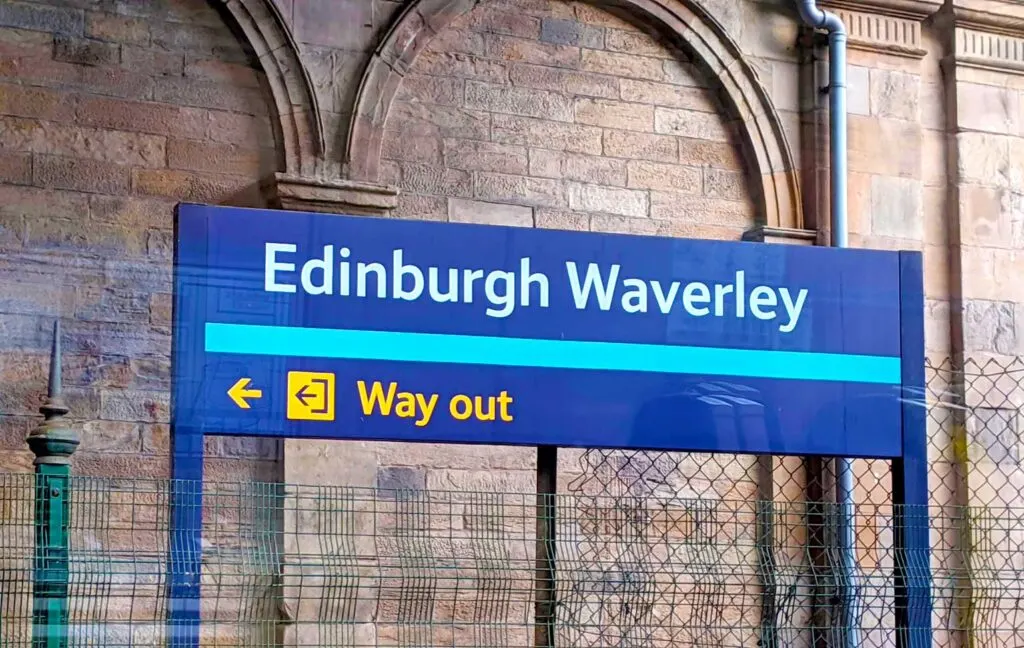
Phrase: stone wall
[697,118]
[110,113]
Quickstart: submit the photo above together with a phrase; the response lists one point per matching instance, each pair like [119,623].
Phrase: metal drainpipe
[815,17]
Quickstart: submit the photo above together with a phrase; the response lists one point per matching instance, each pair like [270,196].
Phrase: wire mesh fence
[652,549]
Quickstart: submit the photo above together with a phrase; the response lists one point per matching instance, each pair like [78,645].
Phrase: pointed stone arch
[684,22]
[299,122]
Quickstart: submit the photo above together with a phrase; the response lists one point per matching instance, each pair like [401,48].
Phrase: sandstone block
[596,15]
[131,212]
[895,95]
[622,65]
[160,306]
[72,141]
[858,79]
[476,211]
[983,158]
[896,208]
[472,155]
[413,144]
[640,146]
[519,101]
[446,120]
[577,138]
[690,123]
[84,51]
[431,90]
[614,114]
[456,40]
[80,175]
[519,190]
[62,20]
[208,94]
[16,168]
[570,32]
[184,185]
[36,103]
[545,163]
[129,405]
[111,436]
[160,119]
[428,179]
[498,20]
[115,28]
[421,207]
[595,198]
[594,169]
[505,48]
[231,127]
[991,327]
[226,72]
[675,205]
[681,73]
[730,185]
[624,225]
[652,175]
[572,82]
[871,149]
[465,66]
[636,43]
[987,108]
[192,155]
[152,62]
[666,94]
[546,218]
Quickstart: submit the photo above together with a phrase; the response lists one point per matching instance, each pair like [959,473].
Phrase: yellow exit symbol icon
[310,396]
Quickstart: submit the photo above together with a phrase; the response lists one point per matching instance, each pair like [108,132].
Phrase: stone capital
[337,196]
[781,235]
[886,26]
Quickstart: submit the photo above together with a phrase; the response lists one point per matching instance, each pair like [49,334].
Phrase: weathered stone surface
[614,114]
[472,155]
[520,190]
[895,95]
[991,109]
[488,213]
[896,208]
[691,124]
[651,175]
[992,327]
[553,135]
[515,101]
[625,202]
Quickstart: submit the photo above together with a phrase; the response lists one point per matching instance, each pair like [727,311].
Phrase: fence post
[53,442]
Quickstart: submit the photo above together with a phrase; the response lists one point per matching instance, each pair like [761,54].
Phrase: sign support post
[910,471]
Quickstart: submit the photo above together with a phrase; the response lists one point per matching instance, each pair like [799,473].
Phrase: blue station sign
[318,326]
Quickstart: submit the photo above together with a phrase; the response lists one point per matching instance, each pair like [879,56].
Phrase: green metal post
[53,442]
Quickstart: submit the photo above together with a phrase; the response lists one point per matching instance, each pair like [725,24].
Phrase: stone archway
[299,122]
[683,22]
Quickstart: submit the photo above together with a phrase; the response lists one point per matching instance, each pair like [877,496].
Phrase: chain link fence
[652,549]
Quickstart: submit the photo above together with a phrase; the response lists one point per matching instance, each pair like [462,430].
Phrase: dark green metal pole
[53,442]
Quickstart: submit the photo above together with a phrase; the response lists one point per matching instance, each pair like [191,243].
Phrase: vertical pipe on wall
[818,19]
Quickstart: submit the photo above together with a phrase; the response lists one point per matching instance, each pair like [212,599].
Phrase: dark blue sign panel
[317,326]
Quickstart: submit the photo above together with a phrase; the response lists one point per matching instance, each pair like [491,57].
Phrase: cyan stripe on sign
[551,354]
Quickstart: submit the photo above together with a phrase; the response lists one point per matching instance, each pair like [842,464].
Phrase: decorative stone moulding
[988,51]
[298,193]
[781,235]
[891,27]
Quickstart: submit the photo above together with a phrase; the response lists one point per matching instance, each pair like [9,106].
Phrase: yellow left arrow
[239,393]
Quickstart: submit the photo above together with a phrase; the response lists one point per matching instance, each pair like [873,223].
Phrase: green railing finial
[54,441]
